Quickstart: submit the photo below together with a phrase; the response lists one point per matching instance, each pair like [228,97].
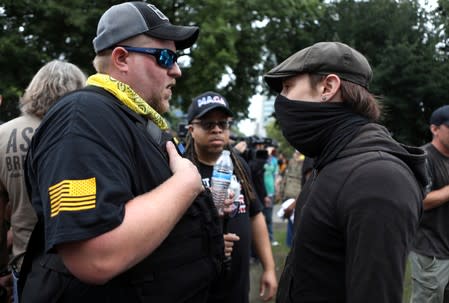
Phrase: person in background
[209,119]
[121,214]
[282,167]
[274,157]
[277,159]
[290,187]
[305,173]
[257,168]
[282,164]
[292,180]
[359,211]
[430,253]
[270,173]
[53,80]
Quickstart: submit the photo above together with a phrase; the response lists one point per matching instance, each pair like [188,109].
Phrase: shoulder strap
[155,132]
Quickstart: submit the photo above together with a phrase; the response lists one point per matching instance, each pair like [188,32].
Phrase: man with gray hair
[123,215]
[52,81]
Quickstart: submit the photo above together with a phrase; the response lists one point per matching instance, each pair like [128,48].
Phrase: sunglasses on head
[165,57]
[209,125]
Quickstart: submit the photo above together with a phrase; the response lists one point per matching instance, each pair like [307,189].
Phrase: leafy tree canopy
[241,39]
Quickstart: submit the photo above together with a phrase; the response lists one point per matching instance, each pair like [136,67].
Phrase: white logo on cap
[211,99]
[157,12]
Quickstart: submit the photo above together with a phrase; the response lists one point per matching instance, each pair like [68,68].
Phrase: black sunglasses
[165,57]
[209,125]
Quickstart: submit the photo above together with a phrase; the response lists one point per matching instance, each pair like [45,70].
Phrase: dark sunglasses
[165,57]
[209,125]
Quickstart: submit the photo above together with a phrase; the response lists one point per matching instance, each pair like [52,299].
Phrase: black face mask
[317,129]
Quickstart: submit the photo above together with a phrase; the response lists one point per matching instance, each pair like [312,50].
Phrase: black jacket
[355,221]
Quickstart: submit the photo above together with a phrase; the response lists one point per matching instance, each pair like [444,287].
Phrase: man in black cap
[209,119]
[121,213]
[430,255]
[357,215]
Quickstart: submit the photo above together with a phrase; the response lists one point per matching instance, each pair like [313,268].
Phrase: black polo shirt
[89,157]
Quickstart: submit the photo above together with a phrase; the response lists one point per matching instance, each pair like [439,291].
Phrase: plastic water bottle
[221,179]
[236,188]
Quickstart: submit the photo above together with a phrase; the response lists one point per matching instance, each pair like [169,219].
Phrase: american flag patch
[72,195]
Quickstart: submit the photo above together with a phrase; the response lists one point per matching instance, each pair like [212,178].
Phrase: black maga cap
[206,102]
[129,19]
[440,116]
[323,58]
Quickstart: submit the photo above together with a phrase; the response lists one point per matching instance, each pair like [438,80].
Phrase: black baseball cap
[323,58]
[129,19]
[440,116]
[206,102]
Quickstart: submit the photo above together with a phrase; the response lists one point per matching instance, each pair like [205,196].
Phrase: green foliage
[291,26]
[35,32]
[441,16]
[401,47]
[242,39]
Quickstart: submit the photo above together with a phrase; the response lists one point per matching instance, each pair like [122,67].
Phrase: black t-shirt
[238,289]
[432,238]
[89,157]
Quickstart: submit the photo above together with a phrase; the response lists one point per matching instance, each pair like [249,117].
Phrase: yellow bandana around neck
[128,97]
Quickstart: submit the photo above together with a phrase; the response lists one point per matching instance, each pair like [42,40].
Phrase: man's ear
[119,58]
[433,129]
[331,88]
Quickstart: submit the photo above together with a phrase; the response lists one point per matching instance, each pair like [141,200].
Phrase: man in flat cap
[120,212]
[430,253]
[358,212]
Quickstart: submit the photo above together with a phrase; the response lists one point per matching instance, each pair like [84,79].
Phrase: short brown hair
[359,98]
